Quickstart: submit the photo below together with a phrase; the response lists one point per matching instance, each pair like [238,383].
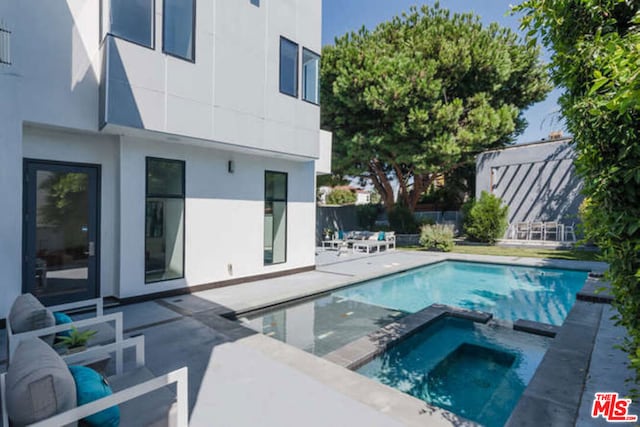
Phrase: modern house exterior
[537,181]
[156,146]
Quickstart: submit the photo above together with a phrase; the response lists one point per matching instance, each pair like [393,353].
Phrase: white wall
[11,193]
[231,93]
[323,164]
[224,214]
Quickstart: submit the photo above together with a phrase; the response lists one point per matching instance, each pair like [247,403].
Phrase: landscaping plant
[341,196]
[402,221]
[485,219]
[438,236]
[421,95]
[596,60]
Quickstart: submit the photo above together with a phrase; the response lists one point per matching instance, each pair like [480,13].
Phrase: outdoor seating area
[542,231]
[49,384]
[361,241]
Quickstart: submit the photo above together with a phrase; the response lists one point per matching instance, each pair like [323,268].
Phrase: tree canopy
[420,95]
[597,61]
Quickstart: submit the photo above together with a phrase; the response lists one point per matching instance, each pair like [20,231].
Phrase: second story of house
[244,73]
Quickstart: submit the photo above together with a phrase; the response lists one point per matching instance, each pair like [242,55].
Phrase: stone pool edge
[554,393]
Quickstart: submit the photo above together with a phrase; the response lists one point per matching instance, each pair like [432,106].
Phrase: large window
[310,76]
[164,220]
[132,20]
[179,28]
[275,217]
[288,67]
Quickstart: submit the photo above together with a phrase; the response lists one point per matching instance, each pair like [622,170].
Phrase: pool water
[326,323]
[476,371]
[509,292]
[323,324]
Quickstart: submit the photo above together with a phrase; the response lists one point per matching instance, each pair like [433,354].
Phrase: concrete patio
[241,378]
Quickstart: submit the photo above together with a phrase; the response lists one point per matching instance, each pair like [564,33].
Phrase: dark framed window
[275,217]
[288,67]
[132,20]
[164,220]
[178,28]
[310,76]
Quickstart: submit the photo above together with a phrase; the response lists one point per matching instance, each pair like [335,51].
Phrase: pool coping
[554,393]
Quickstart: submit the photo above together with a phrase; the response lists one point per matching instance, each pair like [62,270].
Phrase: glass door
[60,231]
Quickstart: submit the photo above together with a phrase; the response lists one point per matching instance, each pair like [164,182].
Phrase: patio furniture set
[365,241]
[46,386]
[542,230]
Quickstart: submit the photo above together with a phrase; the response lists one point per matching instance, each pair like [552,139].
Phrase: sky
[342,16]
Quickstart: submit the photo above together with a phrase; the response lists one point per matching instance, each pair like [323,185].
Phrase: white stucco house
[151,147]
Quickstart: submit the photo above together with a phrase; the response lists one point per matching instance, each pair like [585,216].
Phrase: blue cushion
[62,319]
[340,235]
[381,236]
[91,386]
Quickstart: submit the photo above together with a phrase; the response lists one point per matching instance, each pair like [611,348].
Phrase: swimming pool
[476,371]
[326,323]
[508,292]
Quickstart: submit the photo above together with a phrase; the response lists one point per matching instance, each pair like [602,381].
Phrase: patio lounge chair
[28,318]
[375,241]
[39,390]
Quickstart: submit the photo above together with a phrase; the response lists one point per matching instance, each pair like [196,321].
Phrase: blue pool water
[509,292]
[475,371]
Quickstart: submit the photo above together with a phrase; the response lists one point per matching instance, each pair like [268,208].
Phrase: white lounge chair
[48,388]
[28,318]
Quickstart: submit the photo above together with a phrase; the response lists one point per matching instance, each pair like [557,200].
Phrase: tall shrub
[596,61]
[401,220]
[486,219]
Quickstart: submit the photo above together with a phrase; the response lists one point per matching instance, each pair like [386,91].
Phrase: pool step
[537,328]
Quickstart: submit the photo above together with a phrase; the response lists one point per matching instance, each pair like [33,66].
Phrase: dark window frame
[148,195]
[302,75]
[296,74]
[286,211]
[109,33]
[193,35]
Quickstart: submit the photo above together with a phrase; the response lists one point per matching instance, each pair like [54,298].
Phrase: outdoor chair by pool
[28,318]
[375,241]
[551,229]
[40,389]
[536,231]
[522,231]
[570,230]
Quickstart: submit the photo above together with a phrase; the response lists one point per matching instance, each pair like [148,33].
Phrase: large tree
[420,95]
[597,61]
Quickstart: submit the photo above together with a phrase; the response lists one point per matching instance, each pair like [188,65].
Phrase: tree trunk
[382,184]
